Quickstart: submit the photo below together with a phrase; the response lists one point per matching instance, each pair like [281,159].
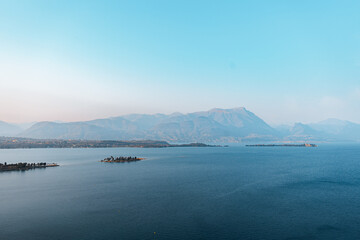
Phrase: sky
[286,61]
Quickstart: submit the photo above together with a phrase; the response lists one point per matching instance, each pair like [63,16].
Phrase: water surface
[183,193]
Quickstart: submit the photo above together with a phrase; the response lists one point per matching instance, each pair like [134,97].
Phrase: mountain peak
[238,109]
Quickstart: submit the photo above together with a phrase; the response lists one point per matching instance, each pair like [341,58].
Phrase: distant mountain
[338,129]
[239,120]
[213,126]
[25,125]
[73,130]
[216,125]
[304,132]
[330,130]
[7,129]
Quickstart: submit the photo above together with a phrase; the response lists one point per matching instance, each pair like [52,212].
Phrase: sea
[234,192]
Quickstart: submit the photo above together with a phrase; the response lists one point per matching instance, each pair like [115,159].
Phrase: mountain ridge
[216,125]
[208,126]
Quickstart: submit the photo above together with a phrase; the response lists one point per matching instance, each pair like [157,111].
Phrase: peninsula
[283,145]
[15,142]
[24,166]
[121,159]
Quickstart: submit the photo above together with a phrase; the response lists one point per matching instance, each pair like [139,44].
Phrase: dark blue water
[184,193]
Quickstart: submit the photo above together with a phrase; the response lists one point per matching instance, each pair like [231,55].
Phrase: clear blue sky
[286,61]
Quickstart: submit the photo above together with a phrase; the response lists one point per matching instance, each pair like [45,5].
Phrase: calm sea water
[183,193]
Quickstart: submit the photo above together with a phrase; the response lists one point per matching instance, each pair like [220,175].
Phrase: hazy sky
[286,61]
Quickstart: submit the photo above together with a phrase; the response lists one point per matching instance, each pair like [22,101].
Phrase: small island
[283,145]
[24,166]
[121,159]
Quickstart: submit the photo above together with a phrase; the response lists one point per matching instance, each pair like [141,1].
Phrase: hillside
[216,125]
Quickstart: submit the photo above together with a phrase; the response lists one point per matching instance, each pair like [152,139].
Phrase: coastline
[29,143]
[282,145]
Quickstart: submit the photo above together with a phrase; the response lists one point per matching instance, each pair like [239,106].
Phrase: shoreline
[282,145]
[29,143]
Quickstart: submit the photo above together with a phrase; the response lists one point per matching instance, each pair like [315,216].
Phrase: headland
[15,142]
[25,166]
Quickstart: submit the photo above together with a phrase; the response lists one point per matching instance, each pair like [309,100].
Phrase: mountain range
[213,126]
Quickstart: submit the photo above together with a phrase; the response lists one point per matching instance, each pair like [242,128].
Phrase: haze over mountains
[7,129]
[216,125]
